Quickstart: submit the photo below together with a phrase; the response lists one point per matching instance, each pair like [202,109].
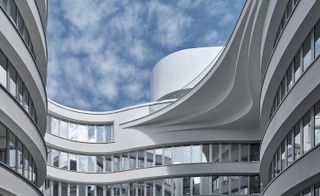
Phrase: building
[246,123]
[23,99]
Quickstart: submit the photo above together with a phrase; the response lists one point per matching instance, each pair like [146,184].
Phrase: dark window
[317,40]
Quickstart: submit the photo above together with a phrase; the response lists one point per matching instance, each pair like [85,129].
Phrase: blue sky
[101,52]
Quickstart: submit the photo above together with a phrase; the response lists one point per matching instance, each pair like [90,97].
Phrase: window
[82,133]
[289,77]
[195,182]
[13,11]
[215,185]
[317,190]
[215,153]
[278,160]
[149,158]
[234,152]
[244,185]
[63,129]
[297,67]
[283,154]
[82,190]
[289,8]
[3,144]
[20,90]
[12,151]
[317,40]
[63,158]
[254,184]
[254,152]
[55,188]
[25,99]
[244,152]
[297,141]
[54,126]
[186,186]
[91,134]
[282,89]
[108,163]
[101,134]
[307,58]
[158,156]
[225,153]
[64,189]
[20,22]
[196,152]
[91,189]
[12,81]
[205,153]
[317,124]
[73,162]
[3,70]
[83,163]
[26,163]
[3,3]
[132,156]
[55,157]
[289,149]
[167,152]
[306,132]
[141,159]
[307,192]
[99,164]
[99,190]
[178,156]
[19,157]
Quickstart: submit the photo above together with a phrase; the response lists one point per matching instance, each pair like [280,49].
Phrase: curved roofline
[50,101]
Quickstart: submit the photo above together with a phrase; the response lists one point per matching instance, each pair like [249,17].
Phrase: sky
[101,52]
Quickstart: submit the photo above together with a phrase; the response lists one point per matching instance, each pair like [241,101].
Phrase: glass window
[73,162]
[196,151]
[317,190]
[132,156]
[282,88]
[64,189]
[234,185]
[55,188]
[3,143]
[54,126]
[101,134]
[289,148]
[289,77]
[116,163]
[149,157]
[3,3]
[195,182]
[55,158]
[82,190]
[149,188]
[83,163]
[254,184]
[108,163]
[157,188]
[317,124]
[91,134]
[297,67]
[306,132]
[91,189]
[63,129]
[225,185]
[12,151]
[3,70]
[73,128]
[234,152]
[279,160]
[289,8]
[25,99]
[12,81]
[307,58]
[283,155]
[205,153]
[254,152]
[158,156]
[177,186]
[307,192]
[244,152]
[19,157]
[109,133]
[215,185]
[99,190]
[215,153]
[99,164]
[167,152]
[63,158]
[244,185]
[20,90]
[82,133]
[317,40]
[141,159]
[125,161]
[186,186]
[178,157]
[297,141]
[20,23]
[13,11]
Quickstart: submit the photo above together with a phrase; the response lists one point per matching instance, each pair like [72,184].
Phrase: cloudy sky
[101,52]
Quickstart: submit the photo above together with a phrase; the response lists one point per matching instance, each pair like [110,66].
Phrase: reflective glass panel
[73,162]
[317,124]
[196,151]
[297,67]
[55,188]
[91,190]
[317,40]
[234,152]
[82,133]
[54,126]
[141,159]
[158,187]
[289,148]
[254,152]
[289,78]
[317,190]
[3,70]
[101,134]
[283,154]
[186,186]
[234,184]
[108,163]
[99,190]
[215,185]
[99,166]
[215,153]
[178,155]
[20,157]
[167,152]
[3,144]
[116,163]
[195,182]
[158,156]
[63,160]
[244,152]
[92,163]
[63,129]
[224,185]
[64,189]
[225,152]
[55,157]
[254,184]
[307,58]
[149,158]
[297,141]
[83,163]
[82,190]
[205,153]
[132,160]
[91,133]
[12,81]
[12,151]
[73,128]
[244,185]
[306,132]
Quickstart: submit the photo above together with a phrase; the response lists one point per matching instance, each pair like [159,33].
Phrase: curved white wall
[178,69]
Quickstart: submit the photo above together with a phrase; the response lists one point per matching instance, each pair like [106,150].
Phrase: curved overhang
[154,172]
[15,49]
[228,95]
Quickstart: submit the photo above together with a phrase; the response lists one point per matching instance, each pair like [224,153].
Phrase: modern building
[23,99]
[238,120]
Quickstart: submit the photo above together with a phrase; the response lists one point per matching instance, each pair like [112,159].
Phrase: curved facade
[249,124]
[23,100]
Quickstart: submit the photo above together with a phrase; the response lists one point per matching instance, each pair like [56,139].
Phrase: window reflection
[317,40]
